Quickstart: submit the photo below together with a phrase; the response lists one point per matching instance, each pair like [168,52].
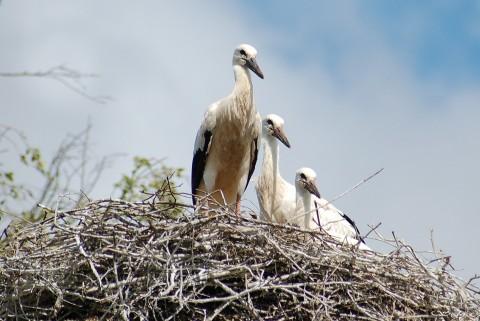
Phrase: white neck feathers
[271,155]
[241,109]
[304,208]
[242,78]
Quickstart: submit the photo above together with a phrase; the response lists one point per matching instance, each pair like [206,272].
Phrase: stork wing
[333,215]
[317,215]
[253,159]
[201,149]
[352,223]
[254,149]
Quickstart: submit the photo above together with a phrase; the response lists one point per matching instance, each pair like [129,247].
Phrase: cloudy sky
[360,86]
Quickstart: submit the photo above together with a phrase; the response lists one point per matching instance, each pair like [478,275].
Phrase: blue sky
[439,40]
[445,41]
[361,86]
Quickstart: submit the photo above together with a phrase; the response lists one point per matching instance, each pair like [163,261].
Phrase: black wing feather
[198,164]
[318,215]
[253,160]
[352,223]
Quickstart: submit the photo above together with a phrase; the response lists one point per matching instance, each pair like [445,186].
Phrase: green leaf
[9,176]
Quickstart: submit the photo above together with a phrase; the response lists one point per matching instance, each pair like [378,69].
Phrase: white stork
[226,146]
[276,196]
[332,220]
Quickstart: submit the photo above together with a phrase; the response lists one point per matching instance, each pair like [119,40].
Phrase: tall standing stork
[276,196]
[226,146]
[325,215]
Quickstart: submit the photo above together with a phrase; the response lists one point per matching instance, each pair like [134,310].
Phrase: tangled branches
[156,260]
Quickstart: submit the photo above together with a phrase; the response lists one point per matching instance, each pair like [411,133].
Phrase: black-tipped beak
[312,188]
[281,136]
[253,66]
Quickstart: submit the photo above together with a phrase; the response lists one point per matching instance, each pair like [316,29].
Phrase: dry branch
[68,77]
[115,260]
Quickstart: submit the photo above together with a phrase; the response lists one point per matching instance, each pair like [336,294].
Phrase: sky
[361,86]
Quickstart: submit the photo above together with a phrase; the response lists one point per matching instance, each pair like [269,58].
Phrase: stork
[276,196]
[226,145]
[328,217]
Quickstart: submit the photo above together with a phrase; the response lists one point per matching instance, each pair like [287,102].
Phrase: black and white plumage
[311,207]
[226,146]
[276,197]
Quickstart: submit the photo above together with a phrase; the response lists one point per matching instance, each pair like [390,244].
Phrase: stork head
[272,126]
[245,55]
[305,181]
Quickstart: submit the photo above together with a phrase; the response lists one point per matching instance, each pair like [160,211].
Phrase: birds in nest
[226,151]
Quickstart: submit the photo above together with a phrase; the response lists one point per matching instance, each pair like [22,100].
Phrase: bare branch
[160,260]
[71,162]
[363,181]
[13,136]
[68,77]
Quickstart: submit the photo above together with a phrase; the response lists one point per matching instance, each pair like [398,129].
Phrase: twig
[66,76]
[115,259]
[363,181]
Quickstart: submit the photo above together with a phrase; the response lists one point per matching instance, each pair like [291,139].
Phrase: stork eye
[302,176]
[242,52]
[270,122]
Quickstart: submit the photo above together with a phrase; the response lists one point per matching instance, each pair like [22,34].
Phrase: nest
[157,260]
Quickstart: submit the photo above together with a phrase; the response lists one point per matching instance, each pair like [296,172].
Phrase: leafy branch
[147,174]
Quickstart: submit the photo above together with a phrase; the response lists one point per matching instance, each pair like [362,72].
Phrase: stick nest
[157,260]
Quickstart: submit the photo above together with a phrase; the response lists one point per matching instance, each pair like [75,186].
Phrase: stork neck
[304,207]
[243,82]
[271,155]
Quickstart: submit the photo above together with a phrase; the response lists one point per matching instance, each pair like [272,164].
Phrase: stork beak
[253,66]
[312,188]
[281,136]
